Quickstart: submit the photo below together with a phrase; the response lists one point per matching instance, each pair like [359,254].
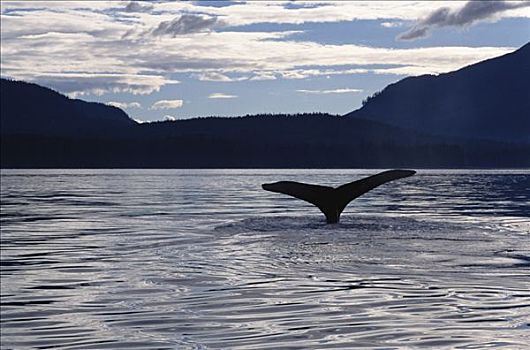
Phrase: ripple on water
[165,260]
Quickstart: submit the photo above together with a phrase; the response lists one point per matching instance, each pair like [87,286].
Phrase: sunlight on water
[205,259]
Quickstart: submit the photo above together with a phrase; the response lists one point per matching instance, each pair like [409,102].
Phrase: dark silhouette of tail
[332,201]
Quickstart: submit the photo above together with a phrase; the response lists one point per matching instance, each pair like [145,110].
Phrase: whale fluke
[332,201]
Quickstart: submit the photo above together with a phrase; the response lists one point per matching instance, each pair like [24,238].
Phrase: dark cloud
[135,6]
[186,24]
[293,5]
[471,12]
[219,3]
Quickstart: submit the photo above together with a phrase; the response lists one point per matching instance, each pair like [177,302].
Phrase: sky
[171,60]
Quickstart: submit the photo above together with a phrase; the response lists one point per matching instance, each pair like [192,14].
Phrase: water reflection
[204,259]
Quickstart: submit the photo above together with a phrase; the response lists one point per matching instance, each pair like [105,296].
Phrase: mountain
[486,100]
[32,109]
[261,141]
[474,117]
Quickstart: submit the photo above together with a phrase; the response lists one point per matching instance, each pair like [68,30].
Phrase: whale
[332,201]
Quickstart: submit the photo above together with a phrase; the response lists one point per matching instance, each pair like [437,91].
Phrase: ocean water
[205,259]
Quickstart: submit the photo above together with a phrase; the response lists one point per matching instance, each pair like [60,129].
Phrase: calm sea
[205,259]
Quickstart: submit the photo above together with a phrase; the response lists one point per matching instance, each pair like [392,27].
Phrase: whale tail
[332,201]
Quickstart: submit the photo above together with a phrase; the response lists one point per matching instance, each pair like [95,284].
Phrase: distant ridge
[486,100]
[33,109]
[40,128]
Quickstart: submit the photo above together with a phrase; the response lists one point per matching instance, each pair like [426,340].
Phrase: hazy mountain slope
[490,99]
[33,109]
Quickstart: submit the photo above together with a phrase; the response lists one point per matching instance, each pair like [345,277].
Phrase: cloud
[323,70]
[254,12]
[80,84]
[334,91]
[90,42]
[135,6]
[263,76]
[124,105]
[186,24]
[221,95]
[169,118]
[391,24]
[167,104]
[469,14]
[216,76]
[295,5]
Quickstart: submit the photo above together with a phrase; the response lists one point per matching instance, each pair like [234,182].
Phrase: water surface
[205,259]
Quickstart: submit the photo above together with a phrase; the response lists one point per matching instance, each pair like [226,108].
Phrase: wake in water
[407,242]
